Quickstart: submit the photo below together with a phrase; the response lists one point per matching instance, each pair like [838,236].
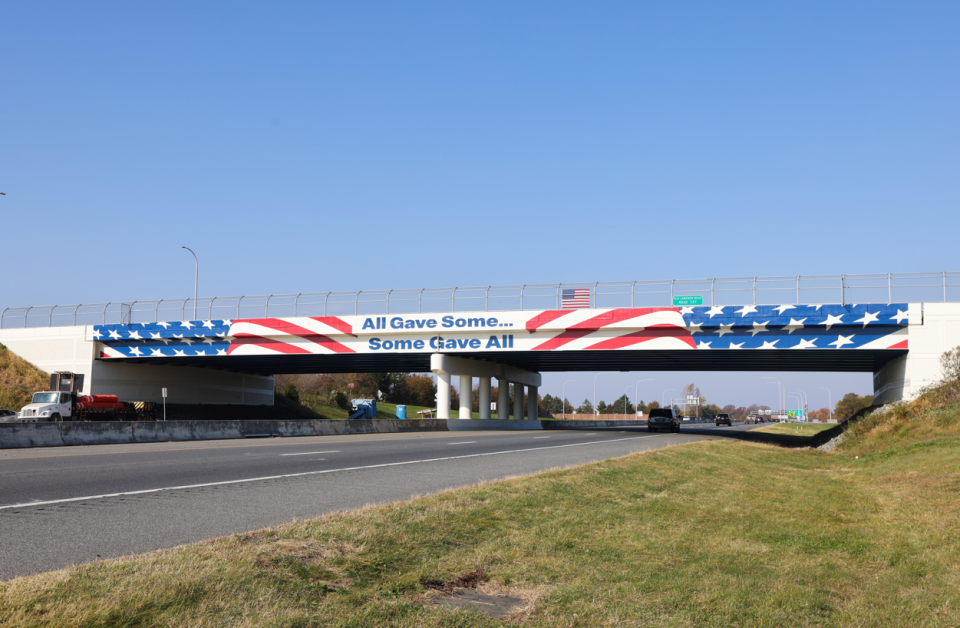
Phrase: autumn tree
[851,404]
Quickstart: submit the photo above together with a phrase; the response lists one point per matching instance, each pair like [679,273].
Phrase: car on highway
[663,419]
[724,419]
[7,416]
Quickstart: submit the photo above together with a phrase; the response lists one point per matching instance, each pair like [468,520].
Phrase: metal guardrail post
[671,291]
[325,297]
[239,301]
[295,303]
[25,315]
[944,274]
[388,300]
[453,300]
[843,296]
[74,315]
[356,303]
[486,299]
[266,306]
[105,313]
[521,296]
[798,290]
[419,303]
[889,290]
[50,315]
[633,289]
[713,283]
[754,290]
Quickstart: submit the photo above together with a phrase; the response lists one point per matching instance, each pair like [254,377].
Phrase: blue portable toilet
[401,412]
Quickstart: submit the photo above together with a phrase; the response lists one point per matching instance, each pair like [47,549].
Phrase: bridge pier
[533,407]
[484,395]
[503,398]
[445,366]
[466,397]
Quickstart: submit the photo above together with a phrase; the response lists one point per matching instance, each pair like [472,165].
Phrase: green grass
[796,429]
[715,533]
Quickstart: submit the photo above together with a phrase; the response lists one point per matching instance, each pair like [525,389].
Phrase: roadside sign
[349,385]
[690,299]
[164,393]
[493,406]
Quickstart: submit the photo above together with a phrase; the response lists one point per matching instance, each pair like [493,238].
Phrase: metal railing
[795,290]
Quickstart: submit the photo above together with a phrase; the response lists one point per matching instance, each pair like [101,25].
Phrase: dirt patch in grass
[715,533]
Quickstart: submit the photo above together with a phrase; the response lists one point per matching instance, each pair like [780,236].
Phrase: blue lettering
[420,324]
[492,322]
[374,343]
[431,323]
[463,343]
[493,342]
[403,345]
[447,321]
[396,323]
[461,322]
[410,325]
[476,322]
[433,342]
[474,344]
[418,344]
[368,324]
[451,344]
[388,344]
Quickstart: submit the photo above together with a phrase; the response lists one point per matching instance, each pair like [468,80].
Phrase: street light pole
[664,393]
[830,402]
[196,280]
[563,400]
[781,398]
[595,393]
[626,400]
[636,396]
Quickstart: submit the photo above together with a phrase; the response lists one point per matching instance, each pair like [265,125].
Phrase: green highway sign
[693,299]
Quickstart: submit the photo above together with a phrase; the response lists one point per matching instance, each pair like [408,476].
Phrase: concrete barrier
[20,435]
[560,424]
[465,425]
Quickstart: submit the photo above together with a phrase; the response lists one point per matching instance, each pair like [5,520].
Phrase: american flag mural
[700,328]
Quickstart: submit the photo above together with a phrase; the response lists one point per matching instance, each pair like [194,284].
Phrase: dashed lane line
[307,473]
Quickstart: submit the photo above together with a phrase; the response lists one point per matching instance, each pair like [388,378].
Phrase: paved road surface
[66,505]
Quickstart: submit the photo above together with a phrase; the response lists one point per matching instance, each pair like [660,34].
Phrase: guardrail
[796,290]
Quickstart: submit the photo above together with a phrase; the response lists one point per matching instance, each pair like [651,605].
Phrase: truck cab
[48,406]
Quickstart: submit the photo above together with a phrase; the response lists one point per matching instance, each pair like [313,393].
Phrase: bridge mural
[698,328]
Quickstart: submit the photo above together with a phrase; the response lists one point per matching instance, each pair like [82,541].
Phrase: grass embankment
[18,380]
[384,410]
[715,533]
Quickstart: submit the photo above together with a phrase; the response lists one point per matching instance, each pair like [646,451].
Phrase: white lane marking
[306,473]
[535,437]
[310,453]
[466,442]
[591,434]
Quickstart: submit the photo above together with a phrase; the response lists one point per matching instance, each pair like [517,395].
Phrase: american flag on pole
[575,298]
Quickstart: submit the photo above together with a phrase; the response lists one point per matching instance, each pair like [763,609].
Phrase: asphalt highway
[67,505]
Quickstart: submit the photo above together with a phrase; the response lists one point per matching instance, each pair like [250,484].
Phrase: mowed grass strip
[805,430]
[716,533]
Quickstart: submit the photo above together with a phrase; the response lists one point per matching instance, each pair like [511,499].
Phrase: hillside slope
[18,380]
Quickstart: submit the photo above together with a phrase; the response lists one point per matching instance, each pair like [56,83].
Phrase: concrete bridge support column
[518,402]
[503,398]
[484,397]
[533,409]
[443,395]
[466,397]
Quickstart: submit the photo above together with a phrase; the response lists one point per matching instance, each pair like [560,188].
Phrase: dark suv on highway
[663,419]
[724,419]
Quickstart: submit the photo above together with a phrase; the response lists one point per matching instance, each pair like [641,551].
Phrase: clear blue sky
[359,145]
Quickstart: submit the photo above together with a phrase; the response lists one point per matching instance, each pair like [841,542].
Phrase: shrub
[340,400]
[292,393]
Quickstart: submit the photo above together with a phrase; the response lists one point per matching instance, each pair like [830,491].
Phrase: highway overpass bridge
[233,359]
